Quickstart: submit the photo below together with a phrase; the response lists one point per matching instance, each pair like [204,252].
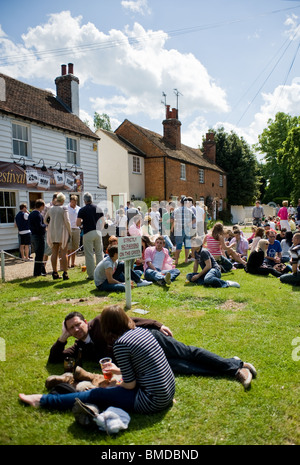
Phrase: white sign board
[129,247]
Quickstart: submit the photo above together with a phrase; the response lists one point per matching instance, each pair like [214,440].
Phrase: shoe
[65,276]
[250,367]
[233,284]
[144,283]
[54,380]
[55,275]
[244,376]
[168,278]
[96,379]
[161,282]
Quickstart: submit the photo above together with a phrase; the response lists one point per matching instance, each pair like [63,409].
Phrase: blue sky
[235,63]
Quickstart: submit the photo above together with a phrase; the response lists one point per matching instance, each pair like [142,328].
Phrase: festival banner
[14,176]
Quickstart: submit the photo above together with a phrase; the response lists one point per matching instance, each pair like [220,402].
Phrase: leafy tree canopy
[278,143]
[235,157]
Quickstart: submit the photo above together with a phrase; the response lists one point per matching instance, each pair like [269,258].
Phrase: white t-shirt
[158,260]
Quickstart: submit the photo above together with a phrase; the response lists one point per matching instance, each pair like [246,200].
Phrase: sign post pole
[129,248]
[127,284]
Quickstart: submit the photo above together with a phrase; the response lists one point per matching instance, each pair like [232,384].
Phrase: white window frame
[21,140]
[8,203]
[72,152]
[183,171]
[220,180]
[201,176]
[136,164]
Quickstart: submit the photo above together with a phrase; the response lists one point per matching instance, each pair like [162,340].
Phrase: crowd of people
[144,352]
[56,230]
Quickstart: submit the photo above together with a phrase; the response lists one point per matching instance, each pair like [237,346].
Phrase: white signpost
[129,248]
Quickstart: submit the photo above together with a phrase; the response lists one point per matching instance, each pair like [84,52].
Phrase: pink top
[283,213]
[149,257]
[213,246]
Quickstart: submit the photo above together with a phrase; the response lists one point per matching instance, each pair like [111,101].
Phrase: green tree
[235,156]
[289,157]
[102,121]
[276,170]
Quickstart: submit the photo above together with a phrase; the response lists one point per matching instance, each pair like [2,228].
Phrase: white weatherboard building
[44,148]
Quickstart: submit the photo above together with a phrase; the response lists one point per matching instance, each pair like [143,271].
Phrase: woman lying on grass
[148,384]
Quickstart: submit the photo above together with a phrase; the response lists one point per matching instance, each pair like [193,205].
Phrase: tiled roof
[41,107]
[186,154]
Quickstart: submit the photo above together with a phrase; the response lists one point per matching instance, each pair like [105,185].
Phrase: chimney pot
[70,68]
[63,70]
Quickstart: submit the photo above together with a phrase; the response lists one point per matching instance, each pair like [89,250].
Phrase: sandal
[65,275]
[55,275]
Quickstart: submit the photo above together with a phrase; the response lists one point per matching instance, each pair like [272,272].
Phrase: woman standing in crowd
[284,216]
[58,233]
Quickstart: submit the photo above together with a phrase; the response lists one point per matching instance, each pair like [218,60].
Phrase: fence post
[2,266]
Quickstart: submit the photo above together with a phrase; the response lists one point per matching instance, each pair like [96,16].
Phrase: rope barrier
[3,253]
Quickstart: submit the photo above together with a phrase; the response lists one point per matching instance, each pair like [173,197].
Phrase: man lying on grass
[183,359]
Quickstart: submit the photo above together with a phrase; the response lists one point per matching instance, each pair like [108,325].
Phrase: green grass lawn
[257,322]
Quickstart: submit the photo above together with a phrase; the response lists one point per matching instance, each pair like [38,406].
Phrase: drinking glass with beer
[107,374]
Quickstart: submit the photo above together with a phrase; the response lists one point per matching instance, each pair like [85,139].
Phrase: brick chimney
[67,88]
[172,133]
[209,146]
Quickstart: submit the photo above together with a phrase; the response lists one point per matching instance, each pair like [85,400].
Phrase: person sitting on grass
[256,265]
[158,266]
[183,359]
[240,243]
[294,277]
[109,277]
[210,274]
[274,250]
[148,383]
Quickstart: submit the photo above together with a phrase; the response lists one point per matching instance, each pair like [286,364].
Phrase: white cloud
[137,6]
[294,28]
[134,66]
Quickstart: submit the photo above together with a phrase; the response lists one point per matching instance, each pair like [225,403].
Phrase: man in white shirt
[155,218]
[74,240]
[199,219]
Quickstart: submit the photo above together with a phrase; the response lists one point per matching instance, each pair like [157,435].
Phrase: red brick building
[174,169]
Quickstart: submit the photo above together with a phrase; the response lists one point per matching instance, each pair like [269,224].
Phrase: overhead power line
[6,60]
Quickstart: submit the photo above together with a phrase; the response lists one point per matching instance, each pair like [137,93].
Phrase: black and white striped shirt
[140,358]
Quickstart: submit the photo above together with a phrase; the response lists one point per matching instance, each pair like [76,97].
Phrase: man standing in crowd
[74,241]
[88,217]
[38,230]
[21,222]
[184,224]
[257,214]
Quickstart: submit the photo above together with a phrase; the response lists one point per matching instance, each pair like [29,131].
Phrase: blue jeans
[212,278]
[156,275]
[116,396]
[190,360]
[291,278]
[112,287]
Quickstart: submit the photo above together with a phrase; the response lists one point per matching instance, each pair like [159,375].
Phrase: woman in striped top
[216,245]
[148,384]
